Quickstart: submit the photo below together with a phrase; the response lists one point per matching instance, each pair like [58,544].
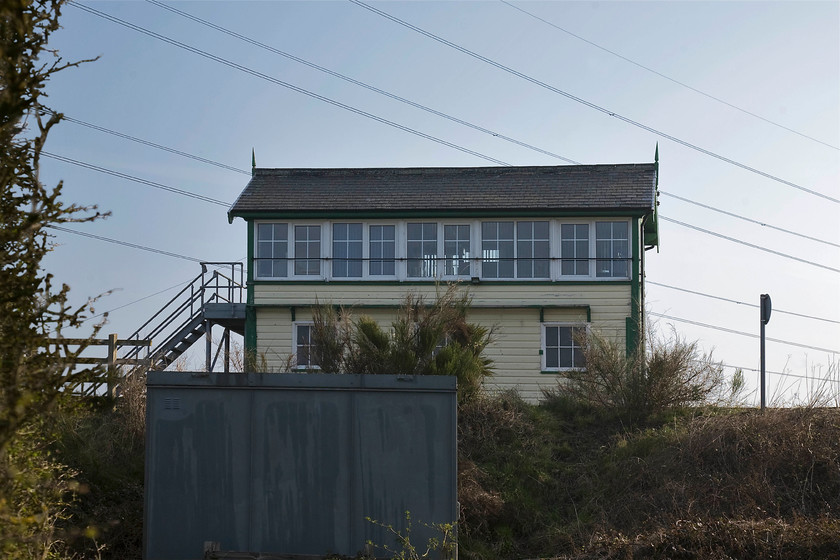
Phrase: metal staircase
[213,298]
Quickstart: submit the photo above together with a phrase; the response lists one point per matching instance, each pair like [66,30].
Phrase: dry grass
[560,480]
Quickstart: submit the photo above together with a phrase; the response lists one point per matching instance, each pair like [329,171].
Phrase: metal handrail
[188,304]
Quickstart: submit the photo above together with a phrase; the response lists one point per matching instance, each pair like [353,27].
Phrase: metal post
[111,372]
[763,376]
[209,344]
[227,350]
[765,308]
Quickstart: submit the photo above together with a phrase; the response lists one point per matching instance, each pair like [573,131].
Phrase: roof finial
[656,155]
[253,162]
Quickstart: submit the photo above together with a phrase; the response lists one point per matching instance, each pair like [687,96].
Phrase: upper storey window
[574,249]
[515,250]
[497,249]
[347,251]
[402,250]
[383,250]
[612,249]
[272,250]
[421,249]
[307,250]
[532,250]
[456,250]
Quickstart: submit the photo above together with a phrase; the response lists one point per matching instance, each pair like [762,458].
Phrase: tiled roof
[371,191]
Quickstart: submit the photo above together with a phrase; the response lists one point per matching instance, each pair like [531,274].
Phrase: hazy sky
[756,83]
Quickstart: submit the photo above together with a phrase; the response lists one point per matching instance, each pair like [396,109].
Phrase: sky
[742,98]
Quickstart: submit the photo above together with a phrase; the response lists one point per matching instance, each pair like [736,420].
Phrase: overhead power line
[144,298]
[153,144]
[742,333]
[670,79]
[359,82]
[775,310]
[136,179]
[126,244]
[287,85]
[759,247]
[589,103]
[785,374]
[721,211]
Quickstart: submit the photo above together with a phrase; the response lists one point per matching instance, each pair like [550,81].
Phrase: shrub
[663,374]
[425,339]
[37,492]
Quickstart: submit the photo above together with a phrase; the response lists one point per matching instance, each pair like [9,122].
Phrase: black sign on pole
[766,307]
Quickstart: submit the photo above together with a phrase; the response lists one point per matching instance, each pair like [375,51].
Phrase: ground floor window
[303,346]
[561,346]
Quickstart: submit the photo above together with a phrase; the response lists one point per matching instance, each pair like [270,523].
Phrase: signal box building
[543,250]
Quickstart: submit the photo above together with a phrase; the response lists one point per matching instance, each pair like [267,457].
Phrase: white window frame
[590,228]
[543,344]
[324,270]
[256,249]
[333,258]
[366,275]
[628,260]
[471,224]
[435,261]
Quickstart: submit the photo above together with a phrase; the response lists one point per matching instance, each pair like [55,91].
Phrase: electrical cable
[126,244]
[136,179]
[144,298]
[742,333]
[652,283]
[287,85]
[358,82]
[670,79]
[589,103]
[153,144]
[782,373]
[721,211]
[760,248]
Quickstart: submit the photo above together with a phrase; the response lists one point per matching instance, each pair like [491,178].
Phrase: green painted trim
[539,307]
[632,336]
[549,372]
[250,263]
[432,283]
[441,213]
[250,338]
[632,339]
[293,313]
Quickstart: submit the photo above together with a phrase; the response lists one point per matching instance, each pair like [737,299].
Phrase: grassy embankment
[562,480]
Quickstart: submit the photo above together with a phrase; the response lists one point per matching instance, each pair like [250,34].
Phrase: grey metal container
[295,463]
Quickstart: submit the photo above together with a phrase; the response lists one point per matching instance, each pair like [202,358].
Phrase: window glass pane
[421,249]
[552,357]
[382,250]
[565,357]
[456,250]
